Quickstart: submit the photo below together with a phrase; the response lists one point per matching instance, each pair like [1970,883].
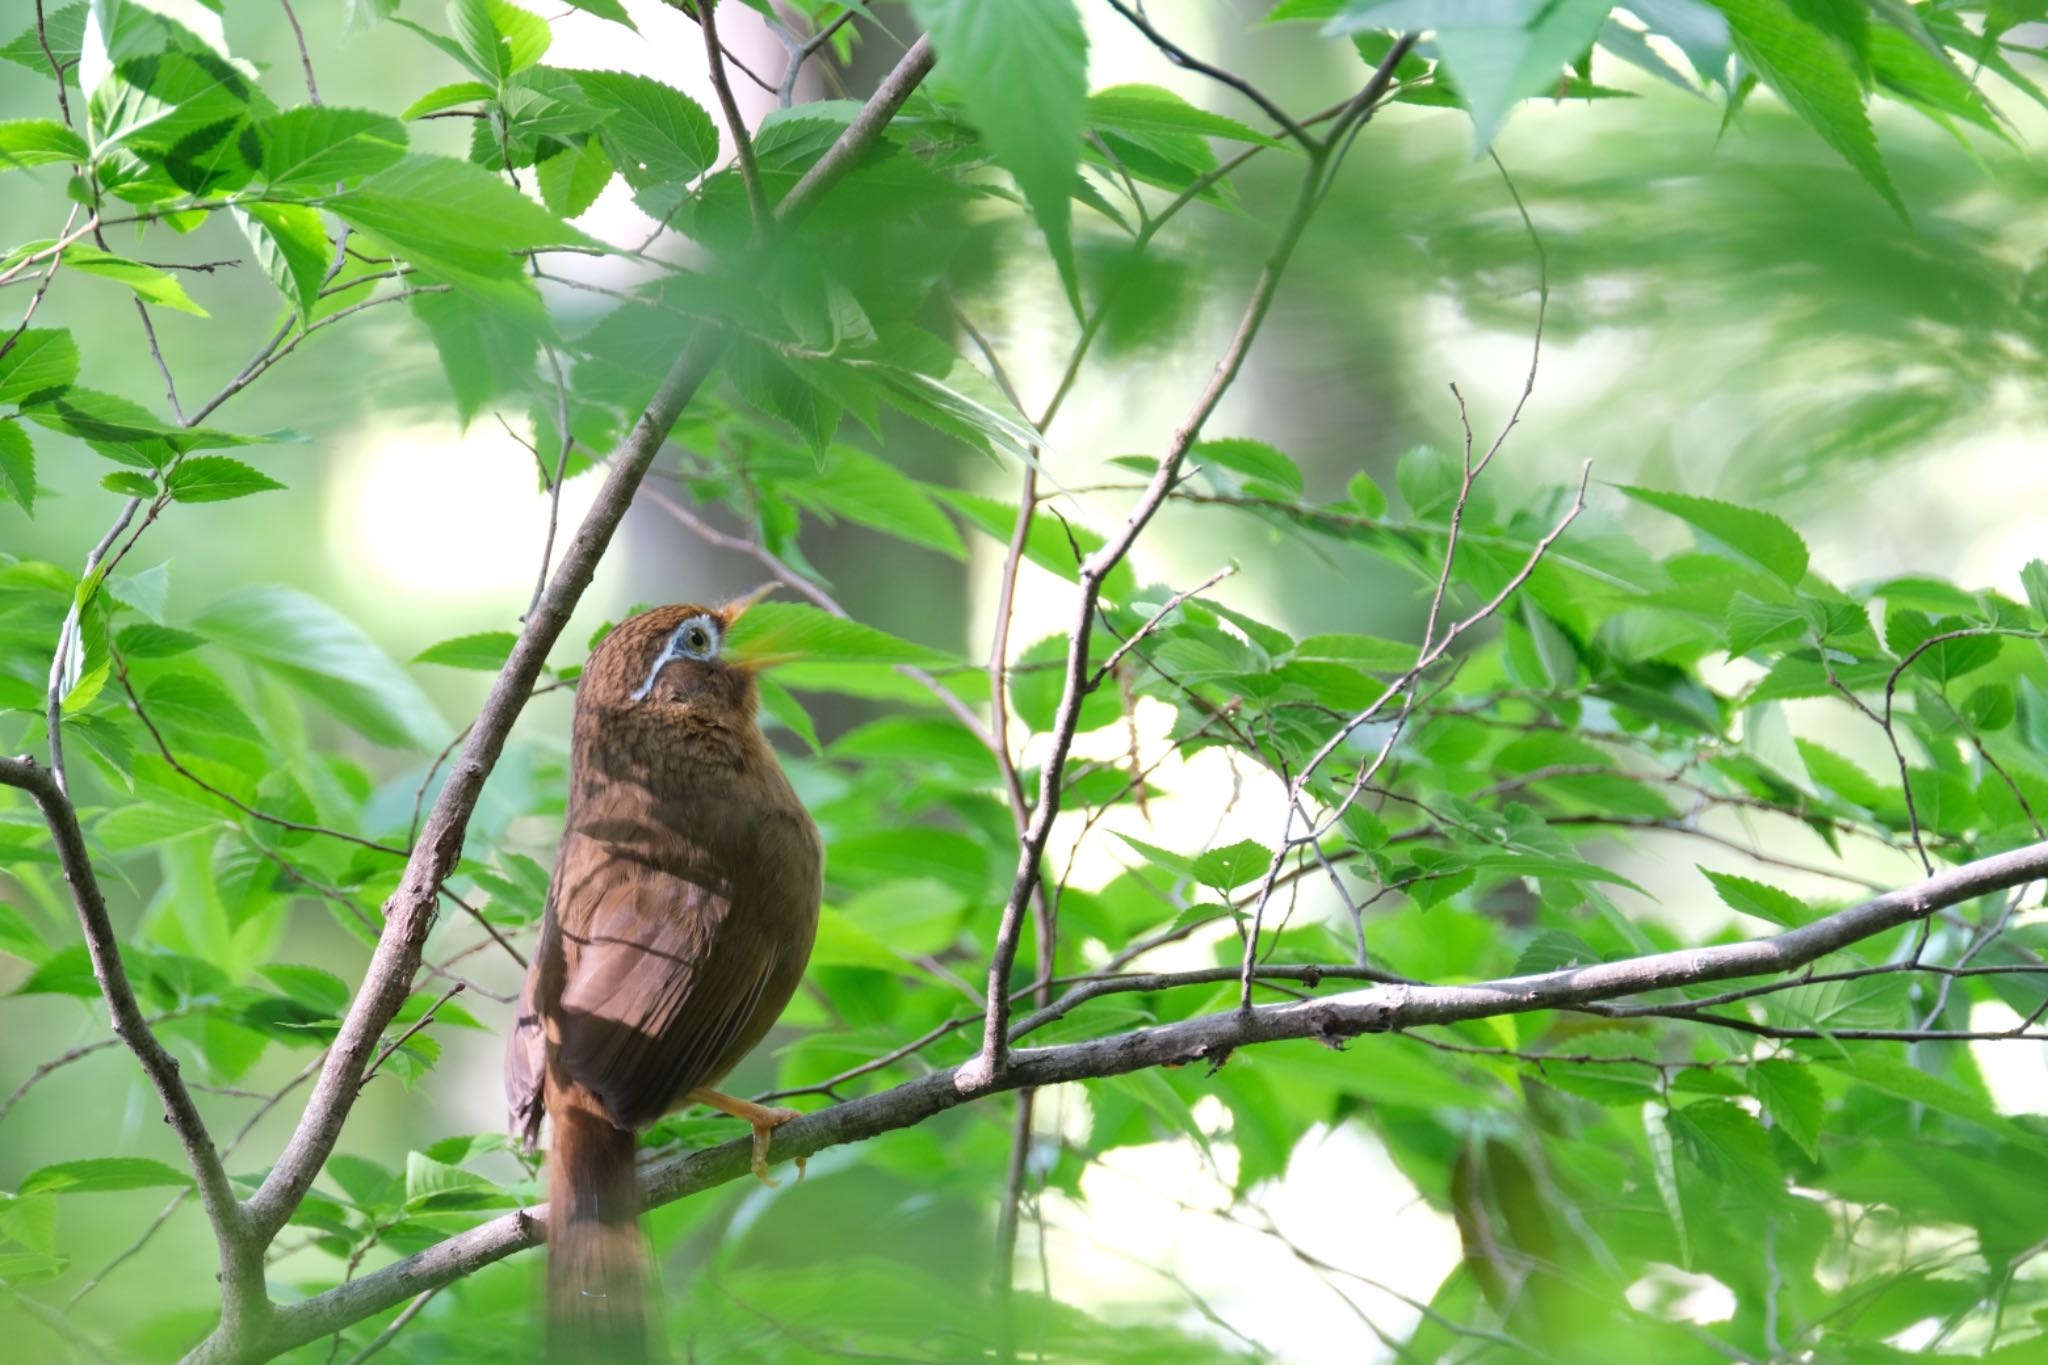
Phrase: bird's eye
[698,640]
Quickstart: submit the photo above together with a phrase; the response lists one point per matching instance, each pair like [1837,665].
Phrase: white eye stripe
[697,638]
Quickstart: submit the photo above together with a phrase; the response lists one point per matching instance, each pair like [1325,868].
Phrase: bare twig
[742,140]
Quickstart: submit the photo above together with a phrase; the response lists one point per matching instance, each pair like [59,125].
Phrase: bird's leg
[764,1121]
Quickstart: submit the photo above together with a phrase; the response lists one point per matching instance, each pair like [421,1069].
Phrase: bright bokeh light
[1348,1237]
[442,516]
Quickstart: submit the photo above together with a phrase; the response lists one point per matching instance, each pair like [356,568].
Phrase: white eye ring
[696,639]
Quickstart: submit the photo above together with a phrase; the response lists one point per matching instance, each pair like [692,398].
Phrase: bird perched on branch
[681,913]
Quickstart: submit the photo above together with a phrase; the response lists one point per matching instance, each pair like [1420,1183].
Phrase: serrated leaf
[1763,539]
[486,651]
[149,641]
[311,646]
[654,133]
[216,478]
[1367,652]
[780,704]
[1154,109]
[1808,71]
[572,179]
[1498,51]
[42,360]
[39,142]
[292,246]
[1233,864]
[100,1175]
[781,630]
[1757,898]
[17,466]
[129,484]
[318,145]
[1253,459]
[1022,69]
[1657,1135]
[148,283]
[446,97]
[1792,1098]
[455,220]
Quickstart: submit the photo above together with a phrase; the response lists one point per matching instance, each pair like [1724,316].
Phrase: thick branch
[409,915]
[1209,1038]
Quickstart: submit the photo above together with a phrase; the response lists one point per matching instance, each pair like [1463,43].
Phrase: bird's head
[675,656]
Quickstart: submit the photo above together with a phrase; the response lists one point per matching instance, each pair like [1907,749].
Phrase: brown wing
[661,979]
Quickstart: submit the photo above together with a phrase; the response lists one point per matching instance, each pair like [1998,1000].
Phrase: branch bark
[987,1068]
[409,914]
[241,1273]
[1208,1038]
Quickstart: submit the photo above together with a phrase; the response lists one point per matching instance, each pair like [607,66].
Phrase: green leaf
[485,351]
[1180,865]
[572,178]
[292,246]
[446,97]
[186,701]
[318,145]
[2034,578]
[781,705]
[216,478]
[1022,69]
[101,1174]
[1360,651]
[41,361]
[39,142]
[1808,71]
[772,630]
[1792,1098]
[1498,51]
[312,647]
[1233,865]
[1153,109]
[19,938]
[147,641]
[654,133]
[477,38]
[456,221]
[1894,1076]
[856,485]
[149,284]
[485,651]
[1756,898]
[1254,459]
[1657,1133]
[606,9]
[1050,543]
[17,466]
[1767,541]
[129,484]
[1727,1145]
[430,1184]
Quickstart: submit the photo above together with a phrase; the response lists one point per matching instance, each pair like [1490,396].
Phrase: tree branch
[1208,1038]
[1096,568]
[409,914]
[241,1277]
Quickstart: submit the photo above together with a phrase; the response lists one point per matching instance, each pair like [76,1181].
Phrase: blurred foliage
[249,759]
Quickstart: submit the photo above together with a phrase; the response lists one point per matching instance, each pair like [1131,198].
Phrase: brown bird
[681,913]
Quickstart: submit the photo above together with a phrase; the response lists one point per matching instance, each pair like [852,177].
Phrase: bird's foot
[762,1118]
[765,1125]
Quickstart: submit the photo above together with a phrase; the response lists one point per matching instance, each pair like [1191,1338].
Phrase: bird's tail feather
[597,1294]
